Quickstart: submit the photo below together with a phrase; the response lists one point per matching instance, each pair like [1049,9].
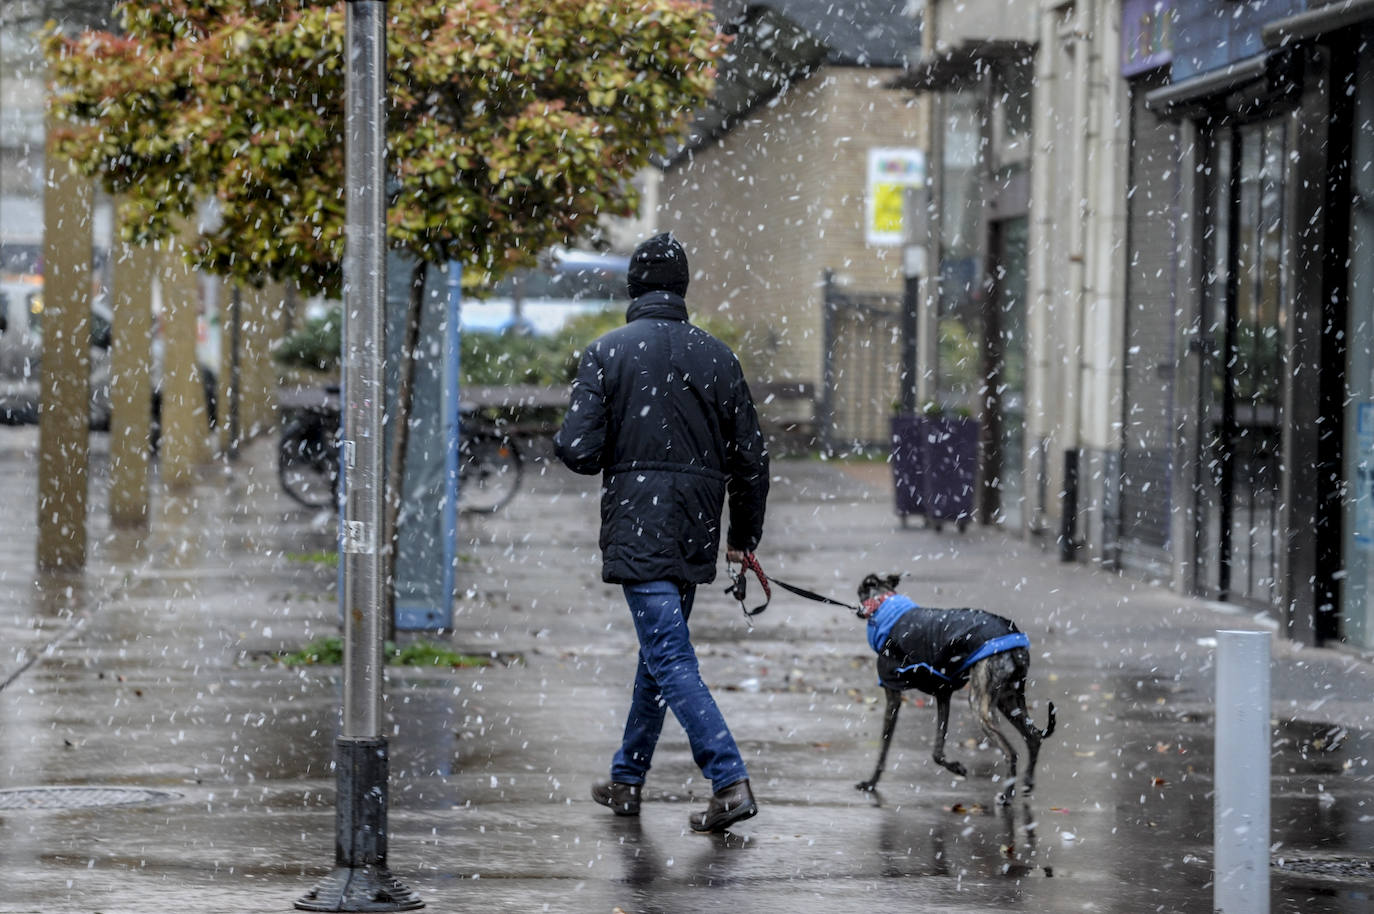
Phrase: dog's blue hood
[884,617]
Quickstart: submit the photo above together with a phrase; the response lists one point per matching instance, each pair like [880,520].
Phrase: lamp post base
[359,888]
[360,880]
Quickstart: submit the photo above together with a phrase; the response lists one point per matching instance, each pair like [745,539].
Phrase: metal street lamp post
[360,880]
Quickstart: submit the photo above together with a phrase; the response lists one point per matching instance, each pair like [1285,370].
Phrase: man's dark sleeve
[747,472]
[582,439]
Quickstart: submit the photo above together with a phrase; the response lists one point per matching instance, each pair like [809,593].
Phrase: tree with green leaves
[513,125]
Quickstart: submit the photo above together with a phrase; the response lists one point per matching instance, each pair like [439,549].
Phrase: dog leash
[738,586]
[738,582]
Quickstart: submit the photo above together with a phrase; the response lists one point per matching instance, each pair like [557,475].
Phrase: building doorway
[1245,311]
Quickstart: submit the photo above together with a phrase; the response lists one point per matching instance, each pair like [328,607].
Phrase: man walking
[660,408]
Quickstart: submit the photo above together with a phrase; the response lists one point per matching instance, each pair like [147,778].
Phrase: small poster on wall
[890,173]
[1364,474]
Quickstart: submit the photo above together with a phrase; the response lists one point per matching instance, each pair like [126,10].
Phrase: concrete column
[1241,804]
[185,424]
[131,387]
[263,311]
[65,375]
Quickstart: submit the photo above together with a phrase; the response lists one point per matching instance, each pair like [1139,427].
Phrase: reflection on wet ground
[491,766]
[167,681]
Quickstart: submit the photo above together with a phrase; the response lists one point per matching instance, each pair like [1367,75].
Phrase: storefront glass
[1357,588]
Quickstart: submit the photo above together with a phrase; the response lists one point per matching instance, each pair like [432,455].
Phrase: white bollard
[1241,810]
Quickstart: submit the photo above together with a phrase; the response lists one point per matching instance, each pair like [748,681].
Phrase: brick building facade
[771,191]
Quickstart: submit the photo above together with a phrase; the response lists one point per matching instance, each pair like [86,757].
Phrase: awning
[1265,73]
[1315,22]
[949,67]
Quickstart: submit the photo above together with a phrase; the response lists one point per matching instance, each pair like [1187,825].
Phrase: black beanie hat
[659,263]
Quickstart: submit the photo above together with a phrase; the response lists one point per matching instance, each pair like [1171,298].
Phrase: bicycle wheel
[308,462]
[489,469]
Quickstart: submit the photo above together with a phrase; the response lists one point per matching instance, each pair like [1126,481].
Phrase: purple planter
[906,463]
[934,467]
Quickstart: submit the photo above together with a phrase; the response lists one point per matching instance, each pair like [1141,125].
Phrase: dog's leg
[941,729]
[894,704]
[1011,701]
[1013,704]
[986,683]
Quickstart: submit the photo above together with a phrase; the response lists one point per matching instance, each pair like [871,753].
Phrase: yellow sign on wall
[887,208]
[890,173]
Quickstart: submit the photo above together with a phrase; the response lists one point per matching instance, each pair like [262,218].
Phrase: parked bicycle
[489,462]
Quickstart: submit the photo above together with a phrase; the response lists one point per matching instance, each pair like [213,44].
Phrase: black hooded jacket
[662,410]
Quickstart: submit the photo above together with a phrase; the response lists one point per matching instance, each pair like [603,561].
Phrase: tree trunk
[185,440]
[64,409]
[400,437]
[131,385]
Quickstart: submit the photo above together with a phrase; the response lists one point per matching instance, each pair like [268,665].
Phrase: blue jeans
[668,677]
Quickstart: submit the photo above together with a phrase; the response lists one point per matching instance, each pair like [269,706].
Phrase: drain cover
[1360,868]
[80,797]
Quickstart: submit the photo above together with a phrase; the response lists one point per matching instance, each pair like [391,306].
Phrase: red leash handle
[751,563]
[737,587]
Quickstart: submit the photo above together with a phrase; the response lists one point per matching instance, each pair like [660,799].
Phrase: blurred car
[539,300]
[21,349]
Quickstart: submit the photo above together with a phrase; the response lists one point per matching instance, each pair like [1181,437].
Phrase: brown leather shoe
[729,805]
[623,799]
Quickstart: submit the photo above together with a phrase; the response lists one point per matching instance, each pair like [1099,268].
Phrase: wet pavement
[155,671]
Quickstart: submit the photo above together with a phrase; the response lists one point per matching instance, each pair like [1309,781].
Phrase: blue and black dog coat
[933,649]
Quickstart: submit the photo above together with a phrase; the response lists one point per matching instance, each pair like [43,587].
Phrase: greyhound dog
[937,651]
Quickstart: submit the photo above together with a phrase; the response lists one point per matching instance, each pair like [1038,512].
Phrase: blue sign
[1209,35]
[1364,474]
[1147,35]
[427,544]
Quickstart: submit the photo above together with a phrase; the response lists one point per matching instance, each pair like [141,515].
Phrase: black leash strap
[802,592]
[750,563]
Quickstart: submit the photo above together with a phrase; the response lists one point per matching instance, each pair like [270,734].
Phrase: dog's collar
[870,606]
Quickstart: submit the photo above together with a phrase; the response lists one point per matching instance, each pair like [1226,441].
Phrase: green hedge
[488,358]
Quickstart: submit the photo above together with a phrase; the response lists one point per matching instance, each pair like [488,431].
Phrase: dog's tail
[1049,723]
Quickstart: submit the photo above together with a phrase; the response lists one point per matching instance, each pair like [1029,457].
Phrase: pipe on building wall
[928,318]
[1079,44]
[928,321]
[1111,114]
[1038,393]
